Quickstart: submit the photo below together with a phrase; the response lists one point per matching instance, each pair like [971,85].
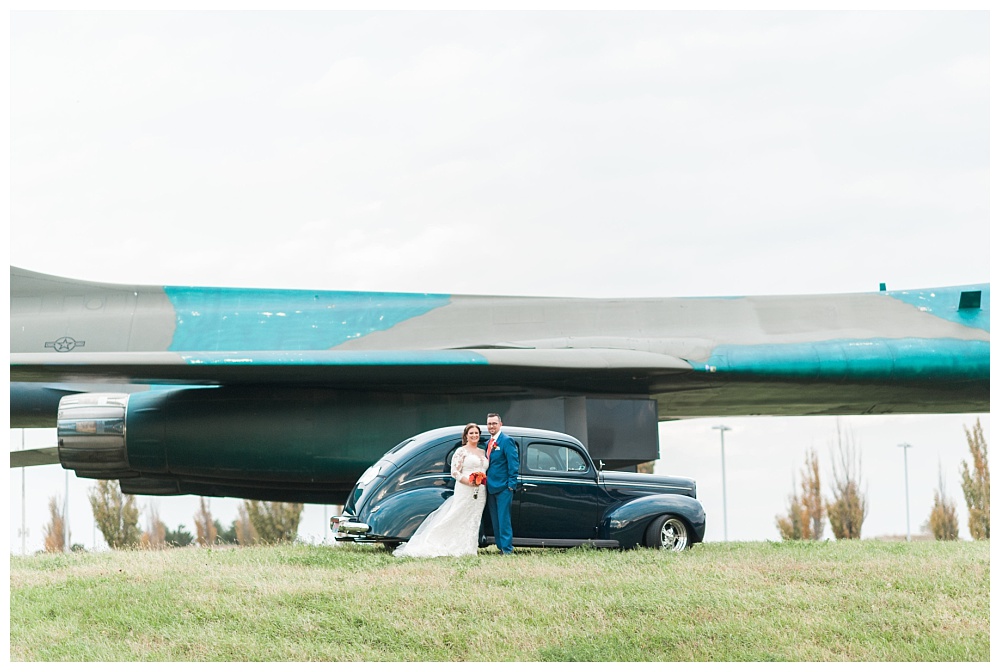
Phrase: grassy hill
[823,601]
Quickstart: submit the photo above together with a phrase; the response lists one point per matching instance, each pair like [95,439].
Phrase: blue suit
[501,481]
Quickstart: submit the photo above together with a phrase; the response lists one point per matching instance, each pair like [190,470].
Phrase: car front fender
[627,523]
[397,517]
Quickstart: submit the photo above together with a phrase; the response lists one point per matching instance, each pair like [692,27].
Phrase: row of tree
[117,517]
[847,508]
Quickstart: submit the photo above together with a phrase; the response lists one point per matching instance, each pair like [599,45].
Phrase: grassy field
[833,601]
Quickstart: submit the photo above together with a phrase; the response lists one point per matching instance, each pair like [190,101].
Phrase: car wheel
[669,533]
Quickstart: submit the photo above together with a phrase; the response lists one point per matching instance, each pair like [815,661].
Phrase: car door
[557,497]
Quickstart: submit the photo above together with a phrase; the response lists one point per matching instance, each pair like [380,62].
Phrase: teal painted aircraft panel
[878,359]
[264,319]
[945,304]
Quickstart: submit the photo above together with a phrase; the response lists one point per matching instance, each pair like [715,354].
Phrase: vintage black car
[562,498]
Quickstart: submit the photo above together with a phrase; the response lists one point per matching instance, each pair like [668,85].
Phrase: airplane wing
[337,367]
[34,457]
[291,394]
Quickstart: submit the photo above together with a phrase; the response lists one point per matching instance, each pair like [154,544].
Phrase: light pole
[23,532]
[906,482]
[66,516]
[722,438]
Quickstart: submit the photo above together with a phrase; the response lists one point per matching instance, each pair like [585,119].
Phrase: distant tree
[116,515]
[274,522]
[791,525]
[55,538]
[179,537]
[848,508]
[812,497]
[245,534]
[155,536]
[805,519]
[204,525]
[976,483]
[227,535]
[943,523]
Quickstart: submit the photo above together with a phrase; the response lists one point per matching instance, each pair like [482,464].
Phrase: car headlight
[369,475]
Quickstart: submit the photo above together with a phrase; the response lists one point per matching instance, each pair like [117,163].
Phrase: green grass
[826,601]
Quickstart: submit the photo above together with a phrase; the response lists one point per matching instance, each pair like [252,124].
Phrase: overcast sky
[608,154]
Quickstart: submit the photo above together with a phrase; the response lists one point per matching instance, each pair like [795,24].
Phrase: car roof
[416,444]
[512,430]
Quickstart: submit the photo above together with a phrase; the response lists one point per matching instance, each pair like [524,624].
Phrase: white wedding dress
[452,528]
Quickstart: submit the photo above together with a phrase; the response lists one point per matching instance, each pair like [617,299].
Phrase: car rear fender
[628,523]
[399,516]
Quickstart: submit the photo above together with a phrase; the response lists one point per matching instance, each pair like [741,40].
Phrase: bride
[453,528]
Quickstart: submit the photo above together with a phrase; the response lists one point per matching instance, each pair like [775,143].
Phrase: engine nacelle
[254,443]
[302,445]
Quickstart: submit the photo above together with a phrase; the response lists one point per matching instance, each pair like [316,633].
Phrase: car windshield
[361,487]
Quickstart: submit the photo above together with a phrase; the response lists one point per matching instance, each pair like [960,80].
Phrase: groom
[501,480]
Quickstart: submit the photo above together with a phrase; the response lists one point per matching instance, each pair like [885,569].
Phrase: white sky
[590,154]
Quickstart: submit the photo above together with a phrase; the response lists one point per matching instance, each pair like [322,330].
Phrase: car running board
[557,543]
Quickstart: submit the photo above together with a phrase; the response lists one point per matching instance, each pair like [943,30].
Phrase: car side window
[550,457]
[450,456]
[575,461]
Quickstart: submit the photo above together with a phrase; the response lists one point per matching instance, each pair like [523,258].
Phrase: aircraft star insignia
[64,344]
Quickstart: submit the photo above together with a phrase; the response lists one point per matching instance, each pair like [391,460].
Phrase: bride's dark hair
[465,432]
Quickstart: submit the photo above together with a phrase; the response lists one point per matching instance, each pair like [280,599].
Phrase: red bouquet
[476,479]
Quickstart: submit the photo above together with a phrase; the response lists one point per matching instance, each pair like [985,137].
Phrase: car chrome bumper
[346,529]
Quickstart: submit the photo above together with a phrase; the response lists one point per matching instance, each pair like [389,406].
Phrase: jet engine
[304,445]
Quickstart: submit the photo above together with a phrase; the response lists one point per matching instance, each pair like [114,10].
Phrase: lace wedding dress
[453,528]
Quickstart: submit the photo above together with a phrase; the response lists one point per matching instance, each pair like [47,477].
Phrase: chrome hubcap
[673,536]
